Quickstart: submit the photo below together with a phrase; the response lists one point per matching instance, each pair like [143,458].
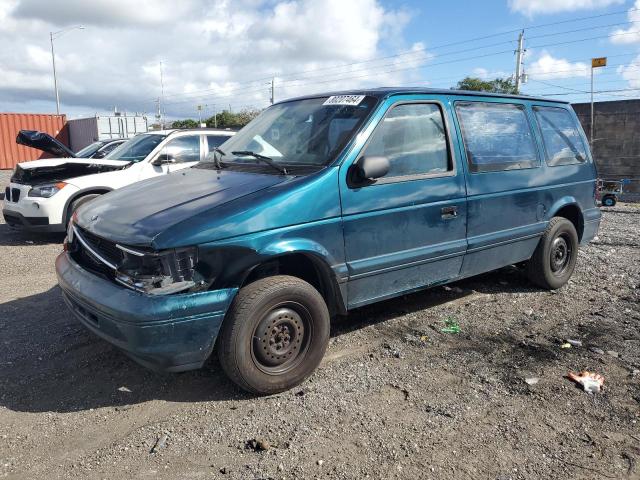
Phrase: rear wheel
[609,201]
[77,203]
[555,256]
[274,335]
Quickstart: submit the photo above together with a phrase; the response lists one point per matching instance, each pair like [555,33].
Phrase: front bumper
[170,333]
[34,213]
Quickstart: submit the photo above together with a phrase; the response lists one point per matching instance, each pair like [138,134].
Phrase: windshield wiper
[263,158]
[216,160]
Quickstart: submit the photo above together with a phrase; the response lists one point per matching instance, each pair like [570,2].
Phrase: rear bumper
[170,333]
[591,225]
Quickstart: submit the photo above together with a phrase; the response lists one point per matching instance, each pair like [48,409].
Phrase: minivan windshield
[306,133]
[136,149]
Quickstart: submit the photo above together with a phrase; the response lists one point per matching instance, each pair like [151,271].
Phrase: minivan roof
[384,92]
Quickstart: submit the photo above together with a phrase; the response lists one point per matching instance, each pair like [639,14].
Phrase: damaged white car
[43,194]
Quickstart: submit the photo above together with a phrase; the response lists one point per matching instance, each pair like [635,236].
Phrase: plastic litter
[591,382]
[532,380]
[565,345]
[450,326]
[574,343]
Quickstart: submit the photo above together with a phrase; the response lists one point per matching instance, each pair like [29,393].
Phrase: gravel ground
[394,398]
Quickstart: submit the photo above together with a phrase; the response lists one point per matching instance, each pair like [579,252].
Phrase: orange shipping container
[10,123]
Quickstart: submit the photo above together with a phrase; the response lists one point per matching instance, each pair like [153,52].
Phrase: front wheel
[555,256]
[274,335]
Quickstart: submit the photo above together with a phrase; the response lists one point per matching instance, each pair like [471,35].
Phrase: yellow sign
[598,62]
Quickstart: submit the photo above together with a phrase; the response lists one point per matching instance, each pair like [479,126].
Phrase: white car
[43,194]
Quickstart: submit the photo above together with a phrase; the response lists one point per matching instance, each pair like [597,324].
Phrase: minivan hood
[136,214]
[53,170]
[43,141]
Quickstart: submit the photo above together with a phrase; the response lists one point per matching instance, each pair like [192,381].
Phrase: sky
[225,54]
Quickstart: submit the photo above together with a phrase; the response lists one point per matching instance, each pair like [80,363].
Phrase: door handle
[449,212]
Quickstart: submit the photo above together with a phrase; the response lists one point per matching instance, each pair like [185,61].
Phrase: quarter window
[497,136]
[413,138]
[563,144]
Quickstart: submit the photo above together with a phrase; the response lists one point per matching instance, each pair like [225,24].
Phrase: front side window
[301,133]
[183,149]
[412,137]
[497,136]
[136,149]
[563,144]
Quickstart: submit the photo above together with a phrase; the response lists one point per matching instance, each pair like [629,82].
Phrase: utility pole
[199,108]
[273,90]
[595,63]
[519,55]
[160,105]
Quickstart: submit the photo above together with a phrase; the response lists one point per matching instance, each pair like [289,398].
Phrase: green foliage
[499,85]
[188,123]
[227,119]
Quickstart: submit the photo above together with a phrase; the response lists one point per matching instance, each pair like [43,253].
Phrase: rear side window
[413,138]
[497,136]
[563,144]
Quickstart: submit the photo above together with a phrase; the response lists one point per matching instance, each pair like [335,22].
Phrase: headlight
[46,191]
[160,273]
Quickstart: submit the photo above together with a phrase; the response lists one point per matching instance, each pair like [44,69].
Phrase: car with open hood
[43,194]
[320,205]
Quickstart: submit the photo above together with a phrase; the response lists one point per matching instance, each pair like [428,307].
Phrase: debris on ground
[565,345]
[597,350]
[531,380]
[574,343]
[591,382]
[161,442]
[258,444]
[613,353]
[124,389]
[450,326]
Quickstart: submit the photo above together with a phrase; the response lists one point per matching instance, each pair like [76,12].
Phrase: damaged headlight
[46,191]
[160,273]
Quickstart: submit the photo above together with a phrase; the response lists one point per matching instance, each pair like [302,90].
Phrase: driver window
[413,138]
[183,149]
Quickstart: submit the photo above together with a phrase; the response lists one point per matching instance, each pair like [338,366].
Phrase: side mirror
[163,159]
[367,169]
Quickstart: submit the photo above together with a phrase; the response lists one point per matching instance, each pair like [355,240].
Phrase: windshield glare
[137,148]
[302,132]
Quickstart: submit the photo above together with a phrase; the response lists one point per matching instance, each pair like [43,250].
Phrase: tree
[499,85]
[227,119]
[188,123]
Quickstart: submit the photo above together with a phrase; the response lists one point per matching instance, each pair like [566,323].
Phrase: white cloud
[631,72]
[629,35]
[485,74]
[214,53]
[532,7]
[547,67]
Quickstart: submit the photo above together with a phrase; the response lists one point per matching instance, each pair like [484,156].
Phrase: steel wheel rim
[281,338]
[560,254]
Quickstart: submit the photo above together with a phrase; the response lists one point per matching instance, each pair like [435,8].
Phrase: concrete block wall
[616,140]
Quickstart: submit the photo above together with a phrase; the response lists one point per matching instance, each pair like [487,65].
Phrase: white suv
[43,194]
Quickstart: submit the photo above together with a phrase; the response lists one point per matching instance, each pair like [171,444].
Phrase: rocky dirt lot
[395,397]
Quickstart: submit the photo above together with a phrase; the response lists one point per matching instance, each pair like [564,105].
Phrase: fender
[80,193]
[569,208]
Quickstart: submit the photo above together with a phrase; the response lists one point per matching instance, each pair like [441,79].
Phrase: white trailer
[84,131]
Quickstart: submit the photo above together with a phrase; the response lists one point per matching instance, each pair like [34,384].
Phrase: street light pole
[53,36]
[55,79]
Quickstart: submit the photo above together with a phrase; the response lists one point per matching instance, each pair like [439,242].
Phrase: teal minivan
[320,205]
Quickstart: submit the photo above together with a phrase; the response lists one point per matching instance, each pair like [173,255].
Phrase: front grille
[7,194]
[15,194]
[104,247]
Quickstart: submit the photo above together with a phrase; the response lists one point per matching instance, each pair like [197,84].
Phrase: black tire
[555,257]
[609,201]
[77,203]
[274,335]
